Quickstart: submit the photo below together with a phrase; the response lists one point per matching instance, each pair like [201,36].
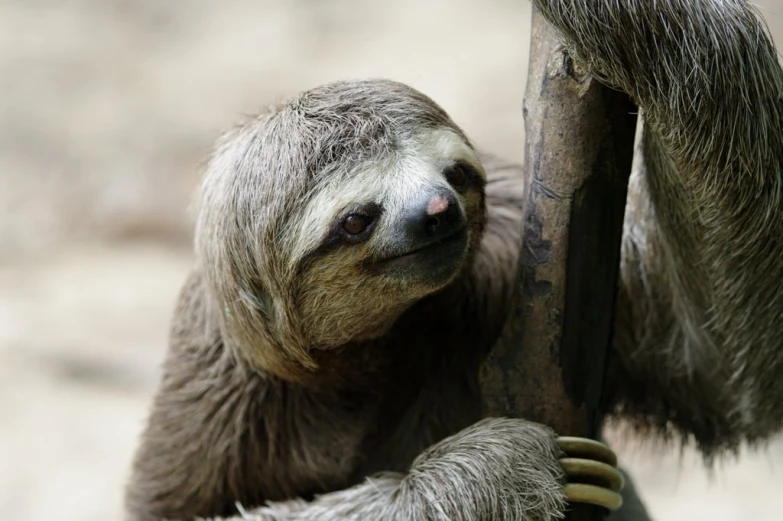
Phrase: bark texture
[549,363]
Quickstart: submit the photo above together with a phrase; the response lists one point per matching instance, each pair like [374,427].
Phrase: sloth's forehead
[441,148]
[416,158]
[417,163]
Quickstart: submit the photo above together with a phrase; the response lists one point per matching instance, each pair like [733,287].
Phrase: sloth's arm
[699,329]
[495,469]
[504,469]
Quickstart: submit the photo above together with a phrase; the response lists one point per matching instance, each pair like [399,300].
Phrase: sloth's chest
[328,443]
[338,446]
[443,406]
[313,446]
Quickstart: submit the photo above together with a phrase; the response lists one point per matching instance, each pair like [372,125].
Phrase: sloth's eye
[458,176]
[356,224]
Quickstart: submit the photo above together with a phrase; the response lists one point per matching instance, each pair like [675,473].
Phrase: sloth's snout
[432,240]
[442,216]
[437,217]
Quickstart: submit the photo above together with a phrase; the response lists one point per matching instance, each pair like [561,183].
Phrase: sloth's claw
[602,497]
[587,448]
[592,473]
[595,472]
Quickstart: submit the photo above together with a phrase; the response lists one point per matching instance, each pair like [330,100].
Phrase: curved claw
[602,497]
[587,448]
[594,466]
[595,472]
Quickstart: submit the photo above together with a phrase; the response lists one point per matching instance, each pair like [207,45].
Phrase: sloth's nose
[437,217]
[442,215]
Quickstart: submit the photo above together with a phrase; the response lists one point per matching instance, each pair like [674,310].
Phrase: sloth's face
[374,240]
[326,217]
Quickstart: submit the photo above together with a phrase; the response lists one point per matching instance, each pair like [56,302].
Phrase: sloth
[355,258]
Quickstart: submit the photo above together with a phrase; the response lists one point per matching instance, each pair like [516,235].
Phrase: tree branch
[548,365]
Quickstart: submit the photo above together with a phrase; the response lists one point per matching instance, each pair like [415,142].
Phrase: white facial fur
[417,166]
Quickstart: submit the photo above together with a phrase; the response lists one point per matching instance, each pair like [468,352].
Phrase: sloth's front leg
[504,468]
[498,468]
[591,472]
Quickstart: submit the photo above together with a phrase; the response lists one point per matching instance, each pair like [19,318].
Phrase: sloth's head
[323,220]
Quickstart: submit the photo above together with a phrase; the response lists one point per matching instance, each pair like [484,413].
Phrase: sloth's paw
[591,471]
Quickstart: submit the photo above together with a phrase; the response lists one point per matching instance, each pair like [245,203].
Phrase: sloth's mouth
[449,248]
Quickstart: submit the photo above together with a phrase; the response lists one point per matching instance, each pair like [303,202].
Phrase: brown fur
[269,404]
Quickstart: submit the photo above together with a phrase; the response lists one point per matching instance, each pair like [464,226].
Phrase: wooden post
[548,365]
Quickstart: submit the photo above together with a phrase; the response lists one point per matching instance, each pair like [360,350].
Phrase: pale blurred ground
[106,108]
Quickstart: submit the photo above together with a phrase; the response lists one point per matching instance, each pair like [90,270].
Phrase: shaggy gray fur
[701,307]
[259,407]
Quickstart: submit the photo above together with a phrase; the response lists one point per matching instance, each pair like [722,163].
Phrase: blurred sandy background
[106,109]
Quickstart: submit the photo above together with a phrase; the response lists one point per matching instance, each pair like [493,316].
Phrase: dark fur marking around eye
[356,225]
[337,236]
[462,175]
